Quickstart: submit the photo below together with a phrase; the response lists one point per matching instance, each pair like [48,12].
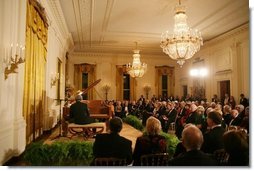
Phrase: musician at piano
[79,113]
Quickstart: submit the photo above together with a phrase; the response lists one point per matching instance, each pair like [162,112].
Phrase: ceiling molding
[108,11]
[56,14]
[229,34]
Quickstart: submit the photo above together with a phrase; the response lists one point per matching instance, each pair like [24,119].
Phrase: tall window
[126,86]
[164,84]
[84,84]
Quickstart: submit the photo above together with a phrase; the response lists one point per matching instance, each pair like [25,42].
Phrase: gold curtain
[164,70]
[79,69]
[34,81]
[120,71]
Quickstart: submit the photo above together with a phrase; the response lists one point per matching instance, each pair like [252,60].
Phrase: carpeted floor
[128,132]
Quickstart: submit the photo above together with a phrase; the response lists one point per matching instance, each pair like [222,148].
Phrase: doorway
[224,88]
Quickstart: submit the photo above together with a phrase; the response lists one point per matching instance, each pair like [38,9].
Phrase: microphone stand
[60,118]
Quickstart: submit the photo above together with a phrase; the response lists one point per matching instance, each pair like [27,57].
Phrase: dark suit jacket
[112,145]
[172,116]
[236,121]
[193,158]
[79,113]
[213,140]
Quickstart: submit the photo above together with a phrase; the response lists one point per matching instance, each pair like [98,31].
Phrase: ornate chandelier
[136,69]
[184,42]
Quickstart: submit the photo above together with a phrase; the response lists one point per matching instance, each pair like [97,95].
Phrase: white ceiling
[114,25]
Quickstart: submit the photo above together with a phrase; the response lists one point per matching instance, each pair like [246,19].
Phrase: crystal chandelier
[184,42]
[136,69]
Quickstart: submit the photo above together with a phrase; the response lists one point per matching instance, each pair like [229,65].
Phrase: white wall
[59,42]
[226,58]
[12,30]
[106,70]
[12,131]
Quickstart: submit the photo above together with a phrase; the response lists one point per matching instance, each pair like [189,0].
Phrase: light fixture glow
[184,42]
[136,69]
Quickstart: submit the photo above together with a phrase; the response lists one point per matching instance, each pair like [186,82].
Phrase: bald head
[192,138]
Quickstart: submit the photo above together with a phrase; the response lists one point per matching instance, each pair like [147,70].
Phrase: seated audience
[192,140]
[112,144]
[237,146]
[213,138]
[150,142]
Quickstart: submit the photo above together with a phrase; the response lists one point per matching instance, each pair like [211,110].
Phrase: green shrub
[134,122]
[71,153]
[172,141]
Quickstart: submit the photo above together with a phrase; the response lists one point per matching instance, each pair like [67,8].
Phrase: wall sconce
[13,57]
[54,78]
[147,89]
[106,89]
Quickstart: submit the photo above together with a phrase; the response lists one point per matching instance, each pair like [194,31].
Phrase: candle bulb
[11,51]
[17,49]
[23,53]
[20,51]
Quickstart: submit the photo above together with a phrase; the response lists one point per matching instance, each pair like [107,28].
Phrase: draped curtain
[120,71]
[34,81]
[90,69]
[164,70]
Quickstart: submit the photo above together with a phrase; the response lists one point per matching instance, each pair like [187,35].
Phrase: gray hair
[78,98]
[192,138]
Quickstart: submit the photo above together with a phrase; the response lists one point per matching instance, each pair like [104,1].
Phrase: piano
[97,108]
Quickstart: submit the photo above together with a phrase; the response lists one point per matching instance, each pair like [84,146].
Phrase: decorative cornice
[226,71]
[55,13]
[229,34]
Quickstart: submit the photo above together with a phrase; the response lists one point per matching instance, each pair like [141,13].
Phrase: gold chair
[221,156]
[157,159]
[110,161]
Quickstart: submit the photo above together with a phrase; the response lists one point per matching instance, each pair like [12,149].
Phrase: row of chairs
[159,159]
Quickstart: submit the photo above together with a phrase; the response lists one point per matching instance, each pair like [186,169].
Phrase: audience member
[232,102]
[213,138]
[192,140]
[150,142]
[243,100]
[237,146]
[236,118]
[112,144]
[245,121]
[226,114]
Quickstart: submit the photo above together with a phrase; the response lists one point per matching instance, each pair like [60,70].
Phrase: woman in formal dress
[150,142]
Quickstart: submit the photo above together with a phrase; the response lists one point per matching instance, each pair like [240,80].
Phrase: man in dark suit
[213,139]
[244,100]
[192,140]
[79,113]
[112,144]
